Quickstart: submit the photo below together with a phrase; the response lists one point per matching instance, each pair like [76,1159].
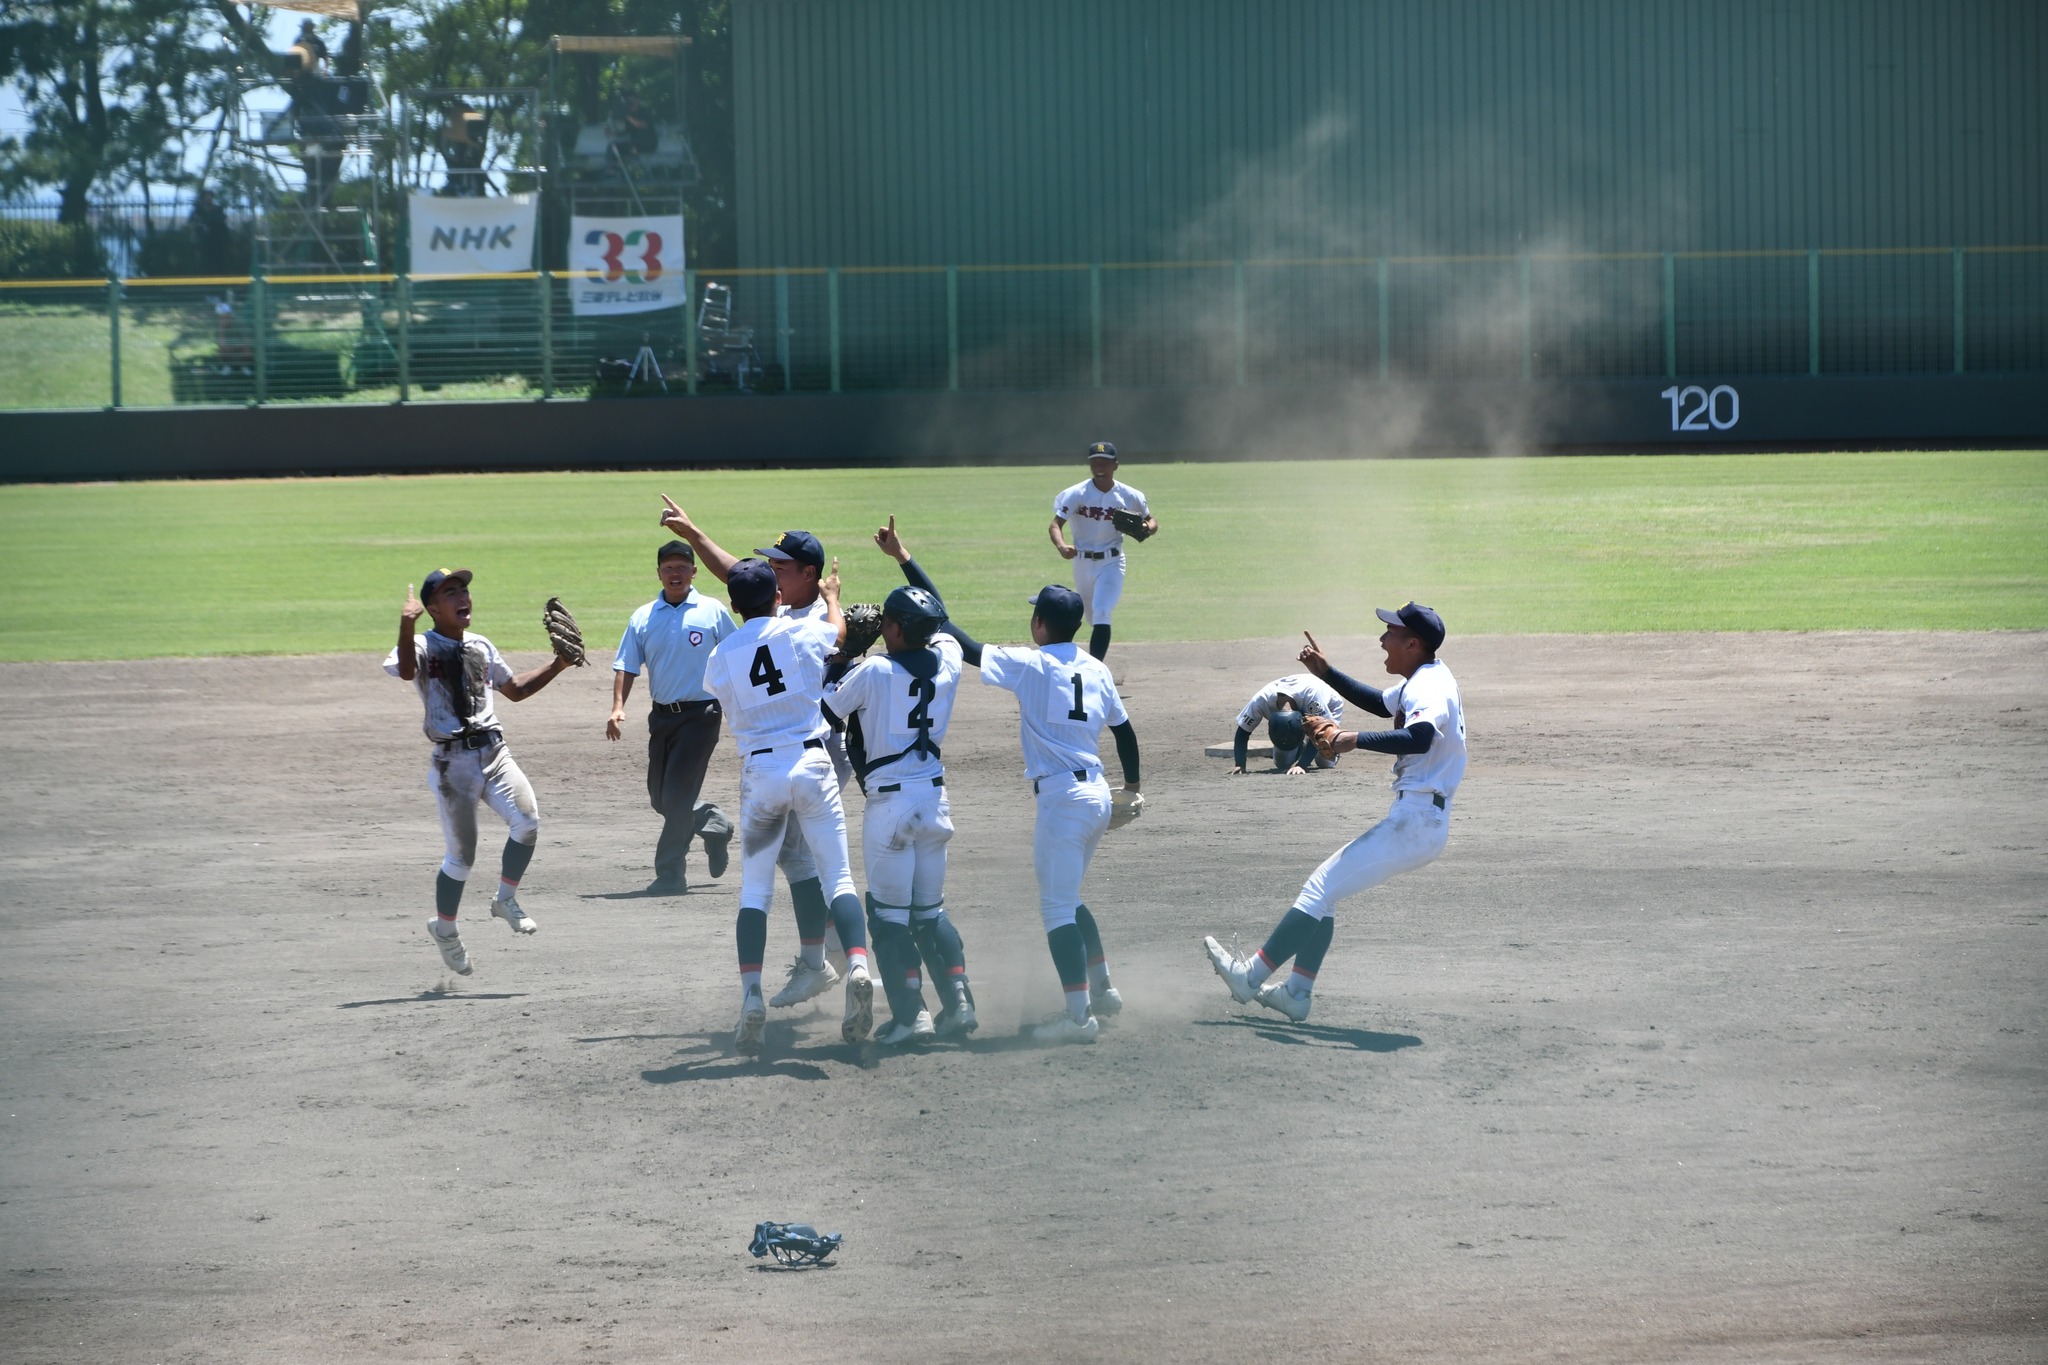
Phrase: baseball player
[1284,704]
[1064,698]
[1428,741]
[896,708]
[798,562]
[456,672]
[671,638]
[769,678]
[1098,546]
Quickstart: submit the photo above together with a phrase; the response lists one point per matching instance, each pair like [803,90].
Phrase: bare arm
[408,657]
[622,688]
[828,588]
[1059,540]
[526,684]
[709,553]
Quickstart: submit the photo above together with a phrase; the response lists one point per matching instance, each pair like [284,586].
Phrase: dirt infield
[1716,1035]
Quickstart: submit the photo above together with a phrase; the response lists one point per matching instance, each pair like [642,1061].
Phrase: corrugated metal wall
[885,132]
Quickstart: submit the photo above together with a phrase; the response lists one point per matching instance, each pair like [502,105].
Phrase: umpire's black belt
[1100,554]
[808,744]
[685,708]
[474,739]
[898,786]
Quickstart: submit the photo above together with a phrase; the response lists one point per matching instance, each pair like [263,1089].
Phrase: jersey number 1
[1080,711]
[764,673]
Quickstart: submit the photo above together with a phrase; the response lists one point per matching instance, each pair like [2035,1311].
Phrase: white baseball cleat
[1275,996]
[1231,970]
[804,982]
[1065,1030]
[860,1002]
[1106,1002]
[507,909]
[450,944]
[959,1020]
[746,1039]
[918,1030]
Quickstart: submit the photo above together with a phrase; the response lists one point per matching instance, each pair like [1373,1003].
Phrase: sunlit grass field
[1896,541]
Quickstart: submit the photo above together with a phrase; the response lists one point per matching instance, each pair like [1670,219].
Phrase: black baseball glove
[1132,524]
[863,628]
[563,634]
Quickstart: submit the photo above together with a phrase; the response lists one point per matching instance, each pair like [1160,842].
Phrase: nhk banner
[472,236]
[625,265]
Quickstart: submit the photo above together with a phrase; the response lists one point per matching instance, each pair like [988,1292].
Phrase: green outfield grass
[1919,541]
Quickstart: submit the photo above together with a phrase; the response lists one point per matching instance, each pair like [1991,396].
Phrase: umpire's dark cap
[431,584]
[751,586]
[673,549]
[1057,606]
[801,546]
[1102,450]
[1427,625]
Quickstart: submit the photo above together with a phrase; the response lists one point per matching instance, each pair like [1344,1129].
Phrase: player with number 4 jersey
[769,678]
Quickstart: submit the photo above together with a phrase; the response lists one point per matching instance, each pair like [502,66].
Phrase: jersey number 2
[764,673]
[921,692]
[1080,711]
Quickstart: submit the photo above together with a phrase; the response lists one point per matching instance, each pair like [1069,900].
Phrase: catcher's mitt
[563,632]
[863,628]
[1131,524]
[1321,732]
[1125,806]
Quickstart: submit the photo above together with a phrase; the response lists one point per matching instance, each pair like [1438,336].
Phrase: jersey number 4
[764,673]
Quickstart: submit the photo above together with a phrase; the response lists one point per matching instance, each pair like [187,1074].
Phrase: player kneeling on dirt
[1428,739]
[1285,704]
[456,672]
[896,709]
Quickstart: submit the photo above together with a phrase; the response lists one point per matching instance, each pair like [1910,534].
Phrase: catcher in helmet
[896,707]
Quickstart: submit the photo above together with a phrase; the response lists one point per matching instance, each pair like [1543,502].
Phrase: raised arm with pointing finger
[709,553]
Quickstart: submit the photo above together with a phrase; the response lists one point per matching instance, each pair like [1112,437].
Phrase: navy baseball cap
[751,586]
[801,546]
[673,549]
[1060,607]
[1102,450]
[1422,620]
[431,584]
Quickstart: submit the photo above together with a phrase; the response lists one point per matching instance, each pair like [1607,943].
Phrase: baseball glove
[1321,732]
[563,632]
[1131,524]
[863,628]
[1125,806]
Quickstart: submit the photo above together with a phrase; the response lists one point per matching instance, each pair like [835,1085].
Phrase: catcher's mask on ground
[1284,728]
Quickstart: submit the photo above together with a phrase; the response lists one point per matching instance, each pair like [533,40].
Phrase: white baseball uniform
[900,720]
[1099,567]
[1064,698]
[470,763]
[1416,828]
[768,677]
[1312,697]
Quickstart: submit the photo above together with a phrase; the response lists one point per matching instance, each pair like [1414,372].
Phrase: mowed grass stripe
[1941,540]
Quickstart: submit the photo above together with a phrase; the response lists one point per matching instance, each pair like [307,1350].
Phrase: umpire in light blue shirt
[671,638]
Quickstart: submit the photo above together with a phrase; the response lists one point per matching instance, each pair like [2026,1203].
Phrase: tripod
[646,367]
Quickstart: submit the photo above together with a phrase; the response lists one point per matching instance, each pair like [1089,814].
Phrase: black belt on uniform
[898,786]
[1100,554]
[474,739]
[1080,775]
[808,744]
[683,708]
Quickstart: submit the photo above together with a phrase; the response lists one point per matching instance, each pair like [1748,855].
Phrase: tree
[111,86]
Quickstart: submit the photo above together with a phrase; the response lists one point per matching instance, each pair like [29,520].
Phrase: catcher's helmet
[917,610]
[1288,735]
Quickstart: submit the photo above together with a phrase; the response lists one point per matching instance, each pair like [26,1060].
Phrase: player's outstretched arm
[1240,751]
[892,545]
[526,684]
[408,616]
[709,553]
[828,588]
[1127,753]
[1343,684]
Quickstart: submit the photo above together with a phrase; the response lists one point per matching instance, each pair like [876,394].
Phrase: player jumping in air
[456,672]
[1428,740]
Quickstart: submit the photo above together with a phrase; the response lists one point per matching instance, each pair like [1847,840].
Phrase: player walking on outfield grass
[769,676]
[1103,511]
[1285,704]
[798,562]
[456,672]
[1064,698]
[672,638]
[1429,740]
